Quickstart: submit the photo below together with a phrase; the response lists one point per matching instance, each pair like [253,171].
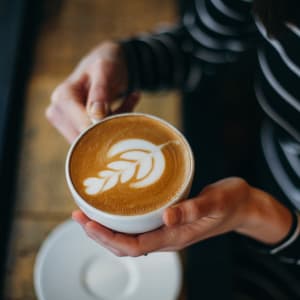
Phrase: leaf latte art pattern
[136,160]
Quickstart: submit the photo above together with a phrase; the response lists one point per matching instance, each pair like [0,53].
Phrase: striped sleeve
[212,33]
[277,89]
[286,250]
[278,93]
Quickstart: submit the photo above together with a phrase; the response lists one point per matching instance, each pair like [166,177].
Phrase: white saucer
[70,266]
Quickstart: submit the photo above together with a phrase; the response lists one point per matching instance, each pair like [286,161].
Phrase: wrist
[267,220]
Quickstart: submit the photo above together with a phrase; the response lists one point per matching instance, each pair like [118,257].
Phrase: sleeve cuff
[281,246]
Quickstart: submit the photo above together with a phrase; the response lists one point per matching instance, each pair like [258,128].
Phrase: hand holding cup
[89,92]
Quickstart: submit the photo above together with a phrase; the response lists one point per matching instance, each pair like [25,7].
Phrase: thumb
[187,211]
[98,102]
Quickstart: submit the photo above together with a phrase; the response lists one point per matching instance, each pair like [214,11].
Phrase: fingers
[101,91]
[72,99]
[83,220]
[104,236]
[82,99]
[89,91]
[187,211]
[61,123]
[99,98]
[125,244]
[94,237]
[67,109]
[80,217]
[106,85]
[163,239]
[128,245]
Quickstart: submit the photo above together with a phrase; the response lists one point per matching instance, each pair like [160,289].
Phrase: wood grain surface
[70,29]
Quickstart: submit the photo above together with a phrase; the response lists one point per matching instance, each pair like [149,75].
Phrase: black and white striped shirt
[213,33]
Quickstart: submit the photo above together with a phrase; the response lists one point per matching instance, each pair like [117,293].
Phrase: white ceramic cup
[136,223]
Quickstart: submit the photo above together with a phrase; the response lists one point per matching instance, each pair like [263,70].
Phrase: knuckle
[59,91]
[55,96]
[193,206]
[50,114]
[98,64]
[241,182]
[193,210]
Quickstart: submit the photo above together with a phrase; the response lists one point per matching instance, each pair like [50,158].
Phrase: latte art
[130,165]
[135,160]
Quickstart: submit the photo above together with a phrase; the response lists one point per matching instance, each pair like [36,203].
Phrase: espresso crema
[130,165]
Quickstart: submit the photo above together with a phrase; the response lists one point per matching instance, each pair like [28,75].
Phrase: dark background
[19,22]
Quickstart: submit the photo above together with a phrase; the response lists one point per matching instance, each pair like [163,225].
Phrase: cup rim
[96,211]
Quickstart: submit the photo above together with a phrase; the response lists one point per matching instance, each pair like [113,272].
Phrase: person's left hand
[221,207]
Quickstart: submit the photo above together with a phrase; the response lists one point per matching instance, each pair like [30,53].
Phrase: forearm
[267,220]
[157,61]
[177,57]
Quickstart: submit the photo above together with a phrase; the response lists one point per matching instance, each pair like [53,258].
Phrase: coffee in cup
[130,165]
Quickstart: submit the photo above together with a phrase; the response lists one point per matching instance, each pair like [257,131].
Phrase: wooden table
[70,28]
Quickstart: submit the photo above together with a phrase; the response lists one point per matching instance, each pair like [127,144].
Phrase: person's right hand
[87,94]
[230,204]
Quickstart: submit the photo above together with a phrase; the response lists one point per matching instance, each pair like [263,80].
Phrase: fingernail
[98,110]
